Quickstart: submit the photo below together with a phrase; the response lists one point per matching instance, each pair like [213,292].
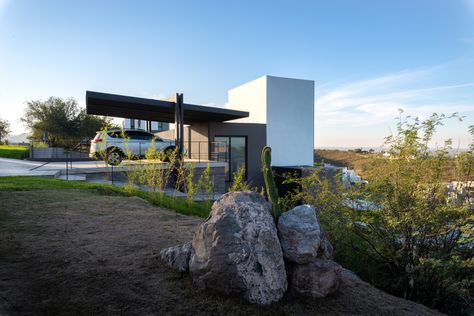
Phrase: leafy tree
[4,129]
[62,119]
[405,231]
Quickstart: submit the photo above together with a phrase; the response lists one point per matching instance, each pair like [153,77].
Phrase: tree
[62,119]
[4,129]
[411,235]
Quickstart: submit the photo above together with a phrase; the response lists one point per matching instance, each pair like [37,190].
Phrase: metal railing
[207,151]
[75,150]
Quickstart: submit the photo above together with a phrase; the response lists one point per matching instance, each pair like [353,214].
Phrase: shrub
[239,183]
[409,236]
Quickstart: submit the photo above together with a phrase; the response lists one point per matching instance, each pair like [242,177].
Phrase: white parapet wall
[287,107]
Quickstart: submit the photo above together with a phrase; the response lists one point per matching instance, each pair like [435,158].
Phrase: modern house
[273,111]
[149,126]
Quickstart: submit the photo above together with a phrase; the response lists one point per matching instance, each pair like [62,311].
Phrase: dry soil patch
[77,252]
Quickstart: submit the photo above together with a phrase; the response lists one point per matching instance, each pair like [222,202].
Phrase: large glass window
[236,153]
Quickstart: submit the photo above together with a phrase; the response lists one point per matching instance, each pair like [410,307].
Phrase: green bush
[415,239]
[15,152]
[239,183]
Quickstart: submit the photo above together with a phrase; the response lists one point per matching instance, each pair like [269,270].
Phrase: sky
[368,58]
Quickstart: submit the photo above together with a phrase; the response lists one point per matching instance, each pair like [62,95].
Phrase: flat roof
[115,105]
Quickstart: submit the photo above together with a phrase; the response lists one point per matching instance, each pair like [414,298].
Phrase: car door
[160,144]
[145,140]
[131,144]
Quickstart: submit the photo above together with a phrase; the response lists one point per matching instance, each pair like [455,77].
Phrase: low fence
[140,174]
[75,150]
[69,150]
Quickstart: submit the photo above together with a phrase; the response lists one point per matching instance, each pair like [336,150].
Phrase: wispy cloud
[470,6]
[3,6]
[377,100]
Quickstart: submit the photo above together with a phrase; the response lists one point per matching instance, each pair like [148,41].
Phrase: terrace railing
[76,150]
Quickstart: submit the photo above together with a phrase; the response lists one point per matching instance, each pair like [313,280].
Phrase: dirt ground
[74,252]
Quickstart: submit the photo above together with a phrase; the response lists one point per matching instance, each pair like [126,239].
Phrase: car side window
[132,135]
[145,136]
[115,134]
[149,136]
[139,135]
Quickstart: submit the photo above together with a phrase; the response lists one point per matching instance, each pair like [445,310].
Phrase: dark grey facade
[208,135]
[202,139]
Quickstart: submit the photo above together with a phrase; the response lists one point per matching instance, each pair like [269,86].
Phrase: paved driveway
[16,167]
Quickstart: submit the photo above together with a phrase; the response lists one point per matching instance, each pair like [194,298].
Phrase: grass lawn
[76,248]
[15,152]
[180,205]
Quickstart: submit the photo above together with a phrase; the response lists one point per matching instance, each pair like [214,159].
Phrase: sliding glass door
[237,153]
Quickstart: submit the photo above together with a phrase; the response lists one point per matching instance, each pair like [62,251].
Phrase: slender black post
[181,124]
[176,119]
[67,166]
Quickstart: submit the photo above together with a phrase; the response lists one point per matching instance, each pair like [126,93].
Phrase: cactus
[272,192]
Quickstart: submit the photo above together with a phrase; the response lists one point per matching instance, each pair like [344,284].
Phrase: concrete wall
[197,140]
[47,153]
[290,121]
[217,175]
[287,107]
[250,97]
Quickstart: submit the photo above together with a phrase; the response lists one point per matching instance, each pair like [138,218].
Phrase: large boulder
[325,250]
[237,251]
[177,257]
[316,279]
[300,234]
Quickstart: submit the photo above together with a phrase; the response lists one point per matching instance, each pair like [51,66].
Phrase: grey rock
[177,257]
[237,251]
[300,234]
[316,279]
[325,250]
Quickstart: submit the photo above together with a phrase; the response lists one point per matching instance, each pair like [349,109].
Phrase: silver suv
[117,144]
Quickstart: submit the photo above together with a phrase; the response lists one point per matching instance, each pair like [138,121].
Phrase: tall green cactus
[272,192]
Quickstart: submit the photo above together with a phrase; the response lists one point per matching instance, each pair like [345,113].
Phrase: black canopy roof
[115,105]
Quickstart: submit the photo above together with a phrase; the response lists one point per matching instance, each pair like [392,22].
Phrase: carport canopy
[114,105]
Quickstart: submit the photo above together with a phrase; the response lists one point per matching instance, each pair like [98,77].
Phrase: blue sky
[367,58]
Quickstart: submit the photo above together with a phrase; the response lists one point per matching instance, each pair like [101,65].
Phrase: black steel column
[179,123]
[176,119]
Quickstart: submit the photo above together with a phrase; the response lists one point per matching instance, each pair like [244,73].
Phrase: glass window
[237,152]
[234,150]
[115,134]
[139,135]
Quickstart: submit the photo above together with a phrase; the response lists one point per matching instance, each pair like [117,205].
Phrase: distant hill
[343,158]
[18,139]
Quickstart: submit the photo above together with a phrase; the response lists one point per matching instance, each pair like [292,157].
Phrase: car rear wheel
[114,157]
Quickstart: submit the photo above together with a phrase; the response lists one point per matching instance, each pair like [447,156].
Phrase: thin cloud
[377,100]
[470,6]
[3,6]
